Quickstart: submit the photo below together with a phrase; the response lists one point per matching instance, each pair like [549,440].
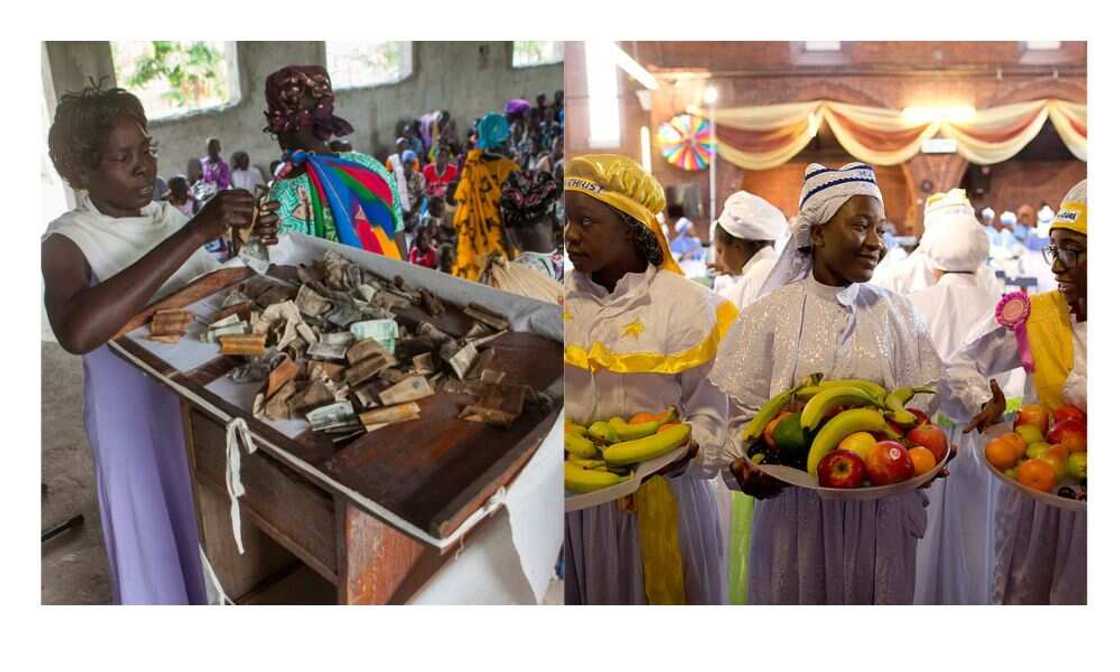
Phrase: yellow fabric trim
[1050,335]
[1072,216]
[599,357]
[659,542]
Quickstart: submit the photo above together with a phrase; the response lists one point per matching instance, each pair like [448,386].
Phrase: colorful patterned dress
[294,196]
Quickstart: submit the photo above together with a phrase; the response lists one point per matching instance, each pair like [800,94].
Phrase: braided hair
[644,240]
[81,125]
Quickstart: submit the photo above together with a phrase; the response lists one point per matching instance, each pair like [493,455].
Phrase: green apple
[1030,433]
[1036,450]
[1078,465]
[1012,473]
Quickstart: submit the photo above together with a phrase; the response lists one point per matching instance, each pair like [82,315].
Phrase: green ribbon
[739,547]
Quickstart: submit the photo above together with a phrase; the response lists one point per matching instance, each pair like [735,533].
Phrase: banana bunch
[603,454]
[829,411]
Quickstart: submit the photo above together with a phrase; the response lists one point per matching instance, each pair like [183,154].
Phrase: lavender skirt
[135,430]
[603,562]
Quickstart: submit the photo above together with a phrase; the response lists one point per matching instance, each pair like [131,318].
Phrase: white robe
[1039,551]
[805,550]
[743,289]
[656,313]
[915,273]
[954,556]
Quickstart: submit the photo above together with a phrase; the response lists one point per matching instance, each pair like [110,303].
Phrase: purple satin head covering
[516,106]
[300,96]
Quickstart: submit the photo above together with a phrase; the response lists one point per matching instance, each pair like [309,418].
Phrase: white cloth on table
[510,559]
[660,313]
[1039,551]
[803,549]
[954,557]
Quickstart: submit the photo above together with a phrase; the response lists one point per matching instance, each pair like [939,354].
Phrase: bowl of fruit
[609,459]
[1043,454]
[846,439]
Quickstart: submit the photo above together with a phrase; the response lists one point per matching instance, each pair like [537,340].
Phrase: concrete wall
[466,78]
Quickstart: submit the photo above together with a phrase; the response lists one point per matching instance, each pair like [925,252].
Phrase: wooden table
[306,499]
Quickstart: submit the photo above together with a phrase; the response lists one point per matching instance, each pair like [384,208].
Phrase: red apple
[889,462]
[921,415]
[1069,412]
[931,437]
[1033,414]
[768,433]
[1071,434]
[841,469]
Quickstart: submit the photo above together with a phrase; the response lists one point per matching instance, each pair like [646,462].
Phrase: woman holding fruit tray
[1039,549]
[639,339]
[819,315]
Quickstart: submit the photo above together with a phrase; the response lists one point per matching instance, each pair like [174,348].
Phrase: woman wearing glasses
[1039,550]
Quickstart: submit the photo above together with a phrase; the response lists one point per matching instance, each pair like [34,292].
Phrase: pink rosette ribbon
[1012,312]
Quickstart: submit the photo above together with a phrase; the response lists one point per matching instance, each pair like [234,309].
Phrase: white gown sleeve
[743,370]
[992,350]
[705,408]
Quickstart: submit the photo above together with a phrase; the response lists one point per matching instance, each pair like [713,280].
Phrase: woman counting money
[819,315]
[639,337]
[103,262]
[1039,549]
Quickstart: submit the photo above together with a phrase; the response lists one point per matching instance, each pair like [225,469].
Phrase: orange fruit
[923,459]
[1060,452]
[666,426]
[1002,453]
[639,418]
[1018,442]
[1037,474]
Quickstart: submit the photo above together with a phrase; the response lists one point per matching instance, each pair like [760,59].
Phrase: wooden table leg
[376,563]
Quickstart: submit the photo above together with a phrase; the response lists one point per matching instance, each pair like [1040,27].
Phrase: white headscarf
[1007,218]
[751,217]
[959,245]
[988,214]
[1045,217]
[823,193]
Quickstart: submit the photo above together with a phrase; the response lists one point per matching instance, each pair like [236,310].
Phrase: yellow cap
[622,184]
[1074,211]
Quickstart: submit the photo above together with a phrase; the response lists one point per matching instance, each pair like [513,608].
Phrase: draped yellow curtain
[762,137]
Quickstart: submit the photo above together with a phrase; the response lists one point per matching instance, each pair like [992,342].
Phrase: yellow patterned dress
[478,221]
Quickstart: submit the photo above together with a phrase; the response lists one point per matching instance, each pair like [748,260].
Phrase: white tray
[802,479]
[1046,498]
[586,500]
